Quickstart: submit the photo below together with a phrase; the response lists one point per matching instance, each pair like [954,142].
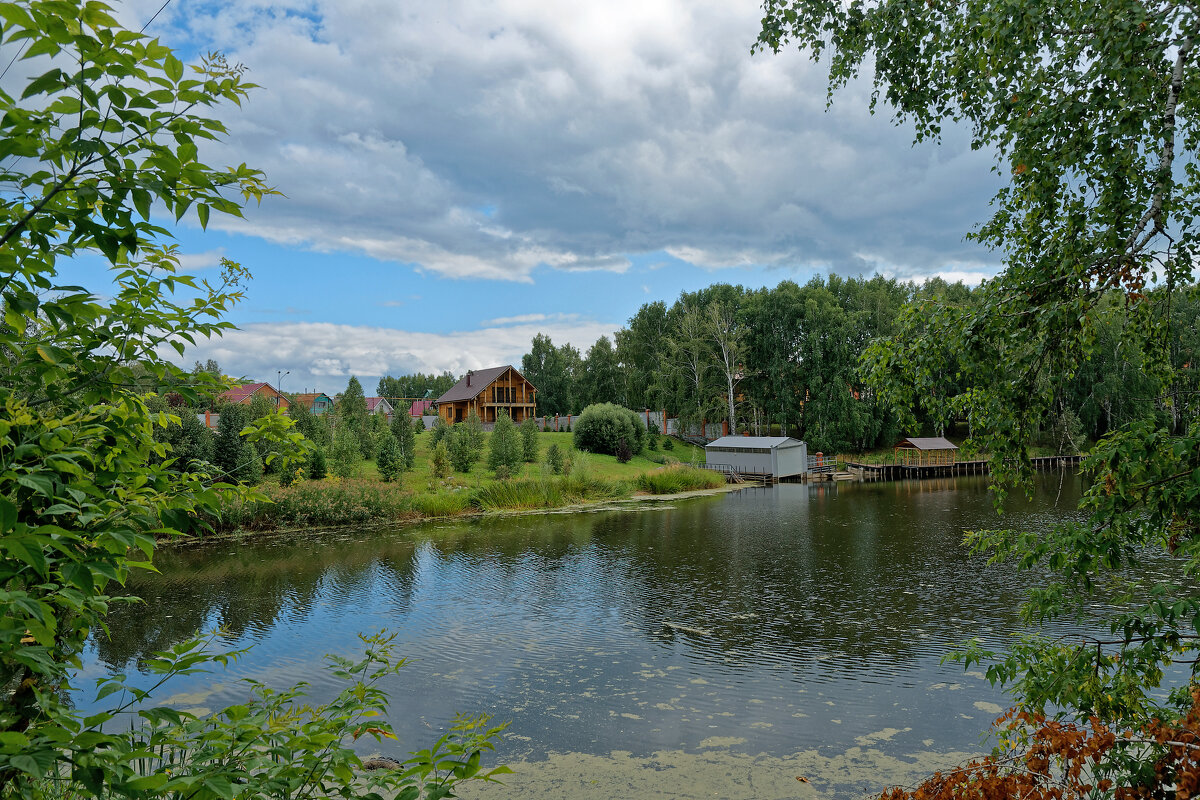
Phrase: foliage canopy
[1091,110]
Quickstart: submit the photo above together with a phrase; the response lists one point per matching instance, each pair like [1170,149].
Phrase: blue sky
[461,175]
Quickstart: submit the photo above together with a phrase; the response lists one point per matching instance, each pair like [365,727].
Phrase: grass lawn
[364,497]
[601,466]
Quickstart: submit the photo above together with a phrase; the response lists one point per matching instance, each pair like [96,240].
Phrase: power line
[156,13]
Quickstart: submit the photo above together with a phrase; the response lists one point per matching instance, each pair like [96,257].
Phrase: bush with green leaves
[504,446]
[438,432]
[345,454]
[668,443]
[311,426]
[554,459]
[439,460]
[458,445]
[389,460]
[317,469]
[406,439]
[472,429]
[103,132]
[601,426]
[274,744]
[529,440]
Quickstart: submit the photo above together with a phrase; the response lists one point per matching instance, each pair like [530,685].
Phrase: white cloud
[190,262]
[485,138]
[322,356]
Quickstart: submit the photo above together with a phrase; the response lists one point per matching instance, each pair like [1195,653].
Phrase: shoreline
[609,504]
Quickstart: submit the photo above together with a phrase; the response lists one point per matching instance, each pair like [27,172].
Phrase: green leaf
[173,67]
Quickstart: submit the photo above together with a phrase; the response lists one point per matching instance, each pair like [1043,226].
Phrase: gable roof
[374,402]
[479,379]
[239,394]
[928,443]
[308,398]
[764,442]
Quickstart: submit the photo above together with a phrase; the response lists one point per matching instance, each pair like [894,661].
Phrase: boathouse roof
[759,442]
[929,443]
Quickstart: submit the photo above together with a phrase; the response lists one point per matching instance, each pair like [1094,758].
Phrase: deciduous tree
[1091,110]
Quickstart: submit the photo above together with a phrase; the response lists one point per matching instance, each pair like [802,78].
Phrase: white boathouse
[777,456]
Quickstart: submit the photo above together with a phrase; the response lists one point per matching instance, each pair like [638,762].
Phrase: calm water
[761,624]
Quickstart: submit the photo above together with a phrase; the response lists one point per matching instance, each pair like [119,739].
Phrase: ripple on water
[792,623]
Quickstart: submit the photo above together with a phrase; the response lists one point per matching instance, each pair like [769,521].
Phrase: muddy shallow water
[712,647]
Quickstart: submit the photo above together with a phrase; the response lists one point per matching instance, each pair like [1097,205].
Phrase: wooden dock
[895,472]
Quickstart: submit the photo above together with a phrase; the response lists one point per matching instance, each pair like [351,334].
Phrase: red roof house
[242,395]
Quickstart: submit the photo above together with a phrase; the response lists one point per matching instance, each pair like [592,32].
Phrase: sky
[460,175]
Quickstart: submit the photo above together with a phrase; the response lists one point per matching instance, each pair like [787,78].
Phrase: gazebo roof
[928,443]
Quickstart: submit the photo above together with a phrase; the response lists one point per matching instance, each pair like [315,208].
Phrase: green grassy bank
[419,494]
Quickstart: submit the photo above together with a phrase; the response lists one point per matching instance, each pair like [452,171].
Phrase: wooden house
[928,452]
[242,395]
[489,392]
[317,402]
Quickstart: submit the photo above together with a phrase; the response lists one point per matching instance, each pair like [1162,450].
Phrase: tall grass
[679,478]
[520,493]
[547,492]
[441,504]
[327,502]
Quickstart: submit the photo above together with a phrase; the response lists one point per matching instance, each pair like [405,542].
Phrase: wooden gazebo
[934,451]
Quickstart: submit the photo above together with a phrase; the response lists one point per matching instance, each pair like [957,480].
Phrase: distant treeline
[416,386]
[790,359]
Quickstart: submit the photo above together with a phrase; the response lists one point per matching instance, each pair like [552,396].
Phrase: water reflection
[774,618]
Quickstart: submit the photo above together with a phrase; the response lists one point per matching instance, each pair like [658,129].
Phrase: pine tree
[504,446]
[389,460]
[352,413]
[529,440]
[227,448]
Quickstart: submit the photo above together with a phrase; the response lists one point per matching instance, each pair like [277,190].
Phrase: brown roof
[240,394]
[479,379]
[930,443]
[308,398]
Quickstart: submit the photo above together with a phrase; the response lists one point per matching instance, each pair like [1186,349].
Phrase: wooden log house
[489,392]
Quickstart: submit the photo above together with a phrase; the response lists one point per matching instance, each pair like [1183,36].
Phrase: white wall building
[780,456]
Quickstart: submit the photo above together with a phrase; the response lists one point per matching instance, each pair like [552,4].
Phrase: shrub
[504,446]
[316,466]
[345,452]
[679,478]
[668,443]
[651,440]
[554,459]
[529,440]
[440,460]
[472,428]
[439,431]
[624,454]
[419,424]
[390,460]
[458,447]
[601,427]
[406,440]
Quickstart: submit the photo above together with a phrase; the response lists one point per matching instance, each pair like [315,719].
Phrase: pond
[720,646]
